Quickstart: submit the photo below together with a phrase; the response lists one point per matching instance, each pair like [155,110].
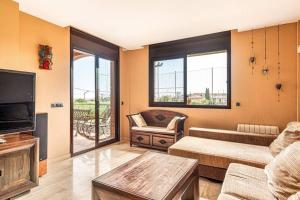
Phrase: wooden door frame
[117,90]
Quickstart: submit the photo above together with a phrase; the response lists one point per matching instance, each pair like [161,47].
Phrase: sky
[84,77]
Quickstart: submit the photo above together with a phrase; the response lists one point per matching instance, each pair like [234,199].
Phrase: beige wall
[20,35]
[257,93]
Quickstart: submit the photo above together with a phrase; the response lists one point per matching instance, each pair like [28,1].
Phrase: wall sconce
[298,48]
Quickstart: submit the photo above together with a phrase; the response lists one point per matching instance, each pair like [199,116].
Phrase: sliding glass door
[93,101]
[106,99]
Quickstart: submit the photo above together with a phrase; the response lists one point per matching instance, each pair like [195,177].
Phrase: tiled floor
[71,178]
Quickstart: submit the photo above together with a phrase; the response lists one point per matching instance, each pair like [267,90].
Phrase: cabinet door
[15,169]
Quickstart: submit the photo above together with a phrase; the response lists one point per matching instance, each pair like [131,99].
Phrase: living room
[151,82]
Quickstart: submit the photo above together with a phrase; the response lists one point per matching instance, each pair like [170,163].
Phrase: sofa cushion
[153,129]
[295,196]
[139,120]
[227,197]
[284,172]
[171,125]
[259,129]
[288,136]
[217,153]
[246,182]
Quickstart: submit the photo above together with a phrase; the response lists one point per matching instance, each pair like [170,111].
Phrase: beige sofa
[242,181]
[217,149]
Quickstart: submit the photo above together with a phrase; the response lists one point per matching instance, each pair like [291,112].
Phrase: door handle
[162,141]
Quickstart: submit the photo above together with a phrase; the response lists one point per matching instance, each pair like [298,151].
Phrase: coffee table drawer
[162,141]
[140,138]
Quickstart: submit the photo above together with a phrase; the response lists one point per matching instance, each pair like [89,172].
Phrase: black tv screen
[17,101]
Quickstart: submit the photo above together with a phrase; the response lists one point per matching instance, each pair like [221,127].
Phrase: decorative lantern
[45,57]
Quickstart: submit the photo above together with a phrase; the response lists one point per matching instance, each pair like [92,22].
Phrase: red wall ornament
[45,57]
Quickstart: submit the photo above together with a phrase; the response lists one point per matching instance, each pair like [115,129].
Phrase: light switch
[57,105]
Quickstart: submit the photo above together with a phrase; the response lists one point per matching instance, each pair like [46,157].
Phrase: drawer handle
[0,173]
[139,138]
[162,141]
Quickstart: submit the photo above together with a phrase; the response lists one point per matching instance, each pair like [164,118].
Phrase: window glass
[168,80]
[207,79]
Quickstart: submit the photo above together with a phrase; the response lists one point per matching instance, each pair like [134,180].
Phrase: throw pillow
[139,120]
[295,196]
[172,123]
[283,172]
[288,136]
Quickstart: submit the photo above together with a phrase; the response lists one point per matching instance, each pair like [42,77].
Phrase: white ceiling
[134,23]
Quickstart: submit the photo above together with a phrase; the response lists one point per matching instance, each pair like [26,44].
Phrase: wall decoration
[265,69]
[252,59]
[278,84]
[45,57]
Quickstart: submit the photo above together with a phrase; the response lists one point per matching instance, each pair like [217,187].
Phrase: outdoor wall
[20,35]
[255,92]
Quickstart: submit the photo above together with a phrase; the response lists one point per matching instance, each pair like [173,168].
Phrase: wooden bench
[156,135]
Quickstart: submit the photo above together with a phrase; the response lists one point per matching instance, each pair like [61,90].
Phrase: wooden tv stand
[19,164]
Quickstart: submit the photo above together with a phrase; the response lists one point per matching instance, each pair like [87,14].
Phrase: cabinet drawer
[142,139]
[162,141]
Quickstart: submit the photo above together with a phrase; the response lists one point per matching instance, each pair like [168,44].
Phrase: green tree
[207,95]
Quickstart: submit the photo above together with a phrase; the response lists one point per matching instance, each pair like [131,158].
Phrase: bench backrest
[160,118]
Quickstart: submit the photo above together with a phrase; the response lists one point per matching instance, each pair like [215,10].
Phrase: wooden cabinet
[18,165]
[153,140]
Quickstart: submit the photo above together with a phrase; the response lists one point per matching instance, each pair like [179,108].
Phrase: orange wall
[9,34]
[298,67]
[256,92]
[19,51]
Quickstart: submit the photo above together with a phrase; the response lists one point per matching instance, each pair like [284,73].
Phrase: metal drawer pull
[139,138]
[0,173]
[162,141]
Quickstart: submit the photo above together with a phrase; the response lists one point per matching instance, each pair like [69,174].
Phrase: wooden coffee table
[149,176]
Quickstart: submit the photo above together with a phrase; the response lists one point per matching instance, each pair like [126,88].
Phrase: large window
[191,73]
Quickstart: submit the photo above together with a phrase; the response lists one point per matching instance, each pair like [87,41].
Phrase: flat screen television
[17,101]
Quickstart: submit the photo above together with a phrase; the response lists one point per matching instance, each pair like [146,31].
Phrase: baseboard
[60,158]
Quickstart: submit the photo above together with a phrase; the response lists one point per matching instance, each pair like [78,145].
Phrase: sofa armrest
[233,136]
[179,126]
[131,122]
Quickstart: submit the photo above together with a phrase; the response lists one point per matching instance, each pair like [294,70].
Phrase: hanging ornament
[265,69]
[278,84]
[252,59]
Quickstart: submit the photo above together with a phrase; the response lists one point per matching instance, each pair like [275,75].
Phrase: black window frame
[182,49]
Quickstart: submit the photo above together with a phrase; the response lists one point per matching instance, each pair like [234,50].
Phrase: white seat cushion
[153,129]
[217,153]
